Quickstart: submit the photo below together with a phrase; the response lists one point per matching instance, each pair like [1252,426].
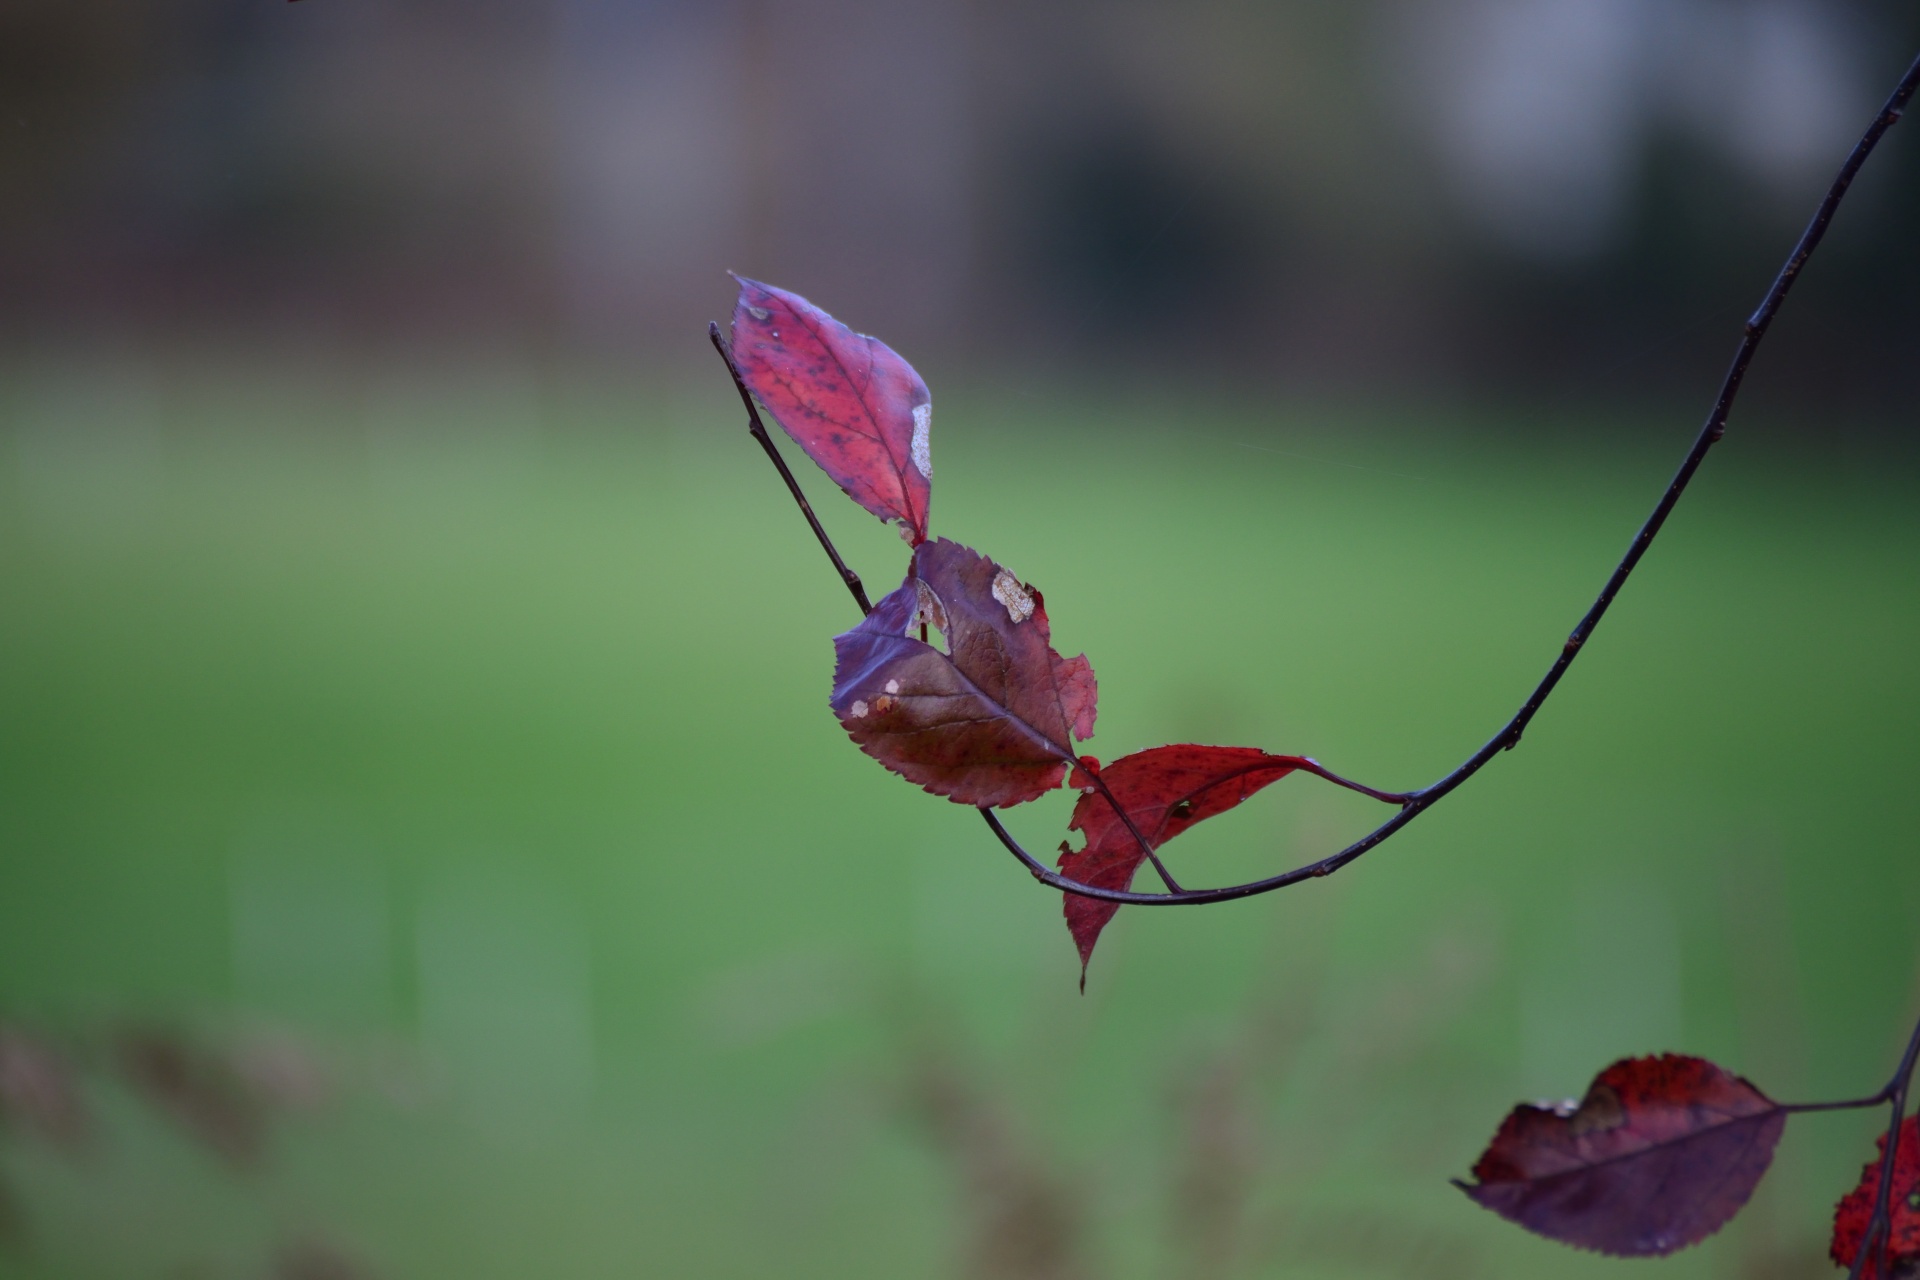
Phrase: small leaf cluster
[992,719]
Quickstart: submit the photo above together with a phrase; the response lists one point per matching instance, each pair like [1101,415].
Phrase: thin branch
[759,432]
[1880,1225]
[1415,803]
[1418,802]
[1194,897]
[1849,1104]
[1306,765]
[1887,1090]
[1314,767]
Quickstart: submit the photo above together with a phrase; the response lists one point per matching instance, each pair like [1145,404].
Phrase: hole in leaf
[929,609]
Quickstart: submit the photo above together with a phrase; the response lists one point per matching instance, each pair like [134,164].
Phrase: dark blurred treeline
[1572,197]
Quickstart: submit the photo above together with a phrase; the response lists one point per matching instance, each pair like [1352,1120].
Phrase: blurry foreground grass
[477,743]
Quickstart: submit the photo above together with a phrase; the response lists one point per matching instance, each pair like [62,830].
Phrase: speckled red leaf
[1165,790]
[1851,1215]
[1659,1155]
[989,722]
[856,407]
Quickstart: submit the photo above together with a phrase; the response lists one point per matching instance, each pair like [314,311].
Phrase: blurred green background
[425,850]
[480,762]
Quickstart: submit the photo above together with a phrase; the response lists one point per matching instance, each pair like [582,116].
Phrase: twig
[1415,803]
[759,432]
[1880,1225]
[1419,802]
[1314,767]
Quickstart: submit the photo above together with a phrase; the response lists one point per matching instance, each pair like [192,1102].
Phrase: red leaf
[1658,1155]
[858,409]
[1851,1215]
[1165,790]
[991,721]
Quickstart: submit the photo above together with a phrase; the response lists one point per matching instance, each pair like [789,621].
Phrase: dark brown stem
[1418,802]
[1306,765]
[1318,770]
[1849,1104]
[1880,1225]
[1414,803]
[1194,897]
[759,431]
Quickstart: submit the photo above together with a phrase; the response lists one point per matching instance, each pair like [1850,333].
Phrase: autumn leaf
[856,407]
[1855,1210]
[1164,790]
[989,722]
[1659,1155]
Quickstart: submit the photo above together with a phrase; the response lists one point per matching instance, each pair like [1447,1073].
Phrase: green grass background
[505,709]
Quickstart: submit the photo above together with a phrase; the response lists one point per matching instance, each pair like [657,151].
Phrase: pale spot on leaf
[929,610]
[893,686]
[1007,590]
[859,709]
[922,439]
